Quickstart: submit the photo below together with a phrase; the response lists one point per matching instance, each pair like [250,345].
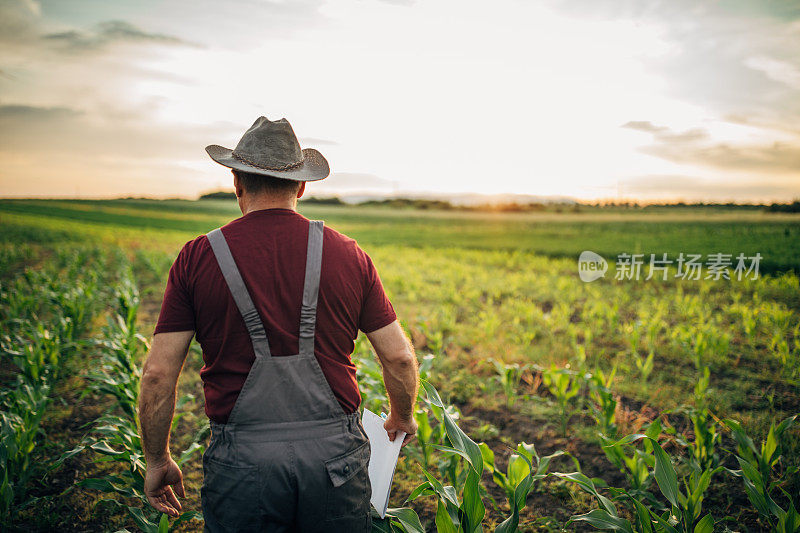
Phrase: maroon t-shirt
[269,247]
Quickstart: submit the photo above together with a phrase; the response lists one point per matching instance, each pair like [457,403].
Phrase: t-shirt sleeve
[376,309]
[177,311]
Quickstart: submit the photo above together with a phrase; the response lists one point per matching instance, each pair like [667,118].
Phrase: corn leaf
[665,474]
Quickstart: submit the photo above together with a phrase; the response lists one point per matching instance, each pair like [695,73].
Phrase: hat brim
[313,168]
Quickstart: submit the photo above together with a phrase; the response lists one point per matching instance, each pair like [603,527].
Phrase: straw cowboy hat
[271,149]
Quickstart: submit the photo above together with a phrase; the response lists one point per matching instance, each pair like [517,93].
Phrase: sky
[693,100]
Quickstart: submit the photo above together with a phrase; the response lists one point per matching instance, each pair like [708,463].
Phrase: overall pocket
[228,500]
[349,489]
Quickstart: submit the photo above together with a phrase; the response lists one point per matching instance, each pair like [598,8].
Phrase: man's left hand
[161,482]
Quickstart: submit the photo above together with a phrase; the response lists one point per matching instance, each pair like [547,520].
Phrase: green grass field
[495,298]
[666,230]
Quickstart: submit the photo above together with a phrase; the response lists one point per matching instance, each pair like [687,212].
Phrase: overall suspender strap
[308,312]
[239,292]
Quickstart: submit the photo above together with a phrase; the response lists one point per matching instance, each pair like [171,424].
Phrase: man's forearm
[158,389]
[156,409]
[400,372]
[401,378]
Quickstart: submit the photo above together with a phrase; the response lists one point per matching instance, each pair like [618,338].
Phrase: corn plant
[789,357]
[525,468]
[564,385]
[522,464]
[397,520]
[448,465]
[35,351]
[605,517]
[424,438]
[454,513]
[435,340]
[705,343]
[509,376]
[685,505]
[707,437]
[38,350]
[428,435]
[115,435]
[645,365]
[22,409]
[757,470]
[459,506]
[631,460]
[604,406]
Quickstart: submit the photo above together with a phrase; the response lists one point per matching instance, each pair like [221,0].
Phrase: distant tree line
[793,207]
[218,195]
[524,207]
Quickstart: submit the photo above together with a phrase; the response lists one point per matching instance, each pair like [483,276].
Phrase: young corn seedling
[633,332]
[434,337]
[509,376]
[645,365]
[22,409]
[564,385]
[757,470]
[524,463]
[449,466]
[685,505]
[632,461]
[525,468]
[115,435]
[706,343]
[606,516]
[424,436]
[707,436]
[460,507]
[604,406]
[38,350]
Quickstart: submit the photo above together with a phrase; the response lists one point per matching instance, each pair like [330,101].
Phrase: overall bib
[289,458]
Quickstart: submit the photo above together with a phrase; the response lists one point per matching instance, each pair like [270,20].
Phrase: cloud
[775,69]
[643,125]
[664,134]
[110,32]
[695,147]
[692,188]
[18,19]
[27,112]
[45,132]
[727,56]
[780,127]
[59,150]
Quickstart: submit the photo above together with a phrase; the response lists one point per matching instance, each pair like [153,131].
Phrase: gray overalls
[289,458]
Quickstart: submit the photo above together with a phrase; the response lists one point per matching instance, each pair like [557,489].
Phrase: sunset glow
[584,99]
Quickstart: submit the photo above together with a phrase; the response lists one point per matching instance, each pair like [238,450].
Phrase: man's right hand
[394,424]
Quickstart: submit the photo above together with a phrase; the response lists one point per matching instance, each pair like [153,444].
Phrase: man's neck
[258,204]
